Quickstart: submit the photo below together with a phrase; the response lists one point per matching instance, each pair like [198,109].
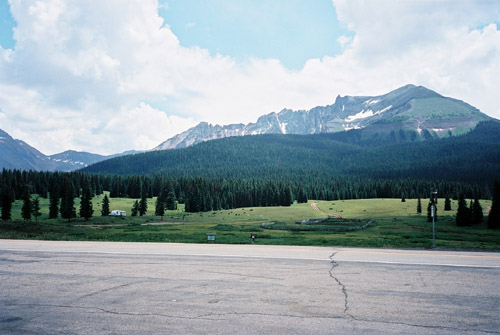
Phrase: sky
[110,76]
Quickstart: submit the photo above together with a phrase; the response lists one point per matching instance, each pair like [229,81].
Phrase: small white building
[117,212]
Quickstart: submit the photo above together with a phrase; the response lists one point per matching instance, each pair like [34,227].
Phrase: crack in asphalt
[346,309]
[107,290]
[117,312]
[466,330]
[342,286]
[211,316]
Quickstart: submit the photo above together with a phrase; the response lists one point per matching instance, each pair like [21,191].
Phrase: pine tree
[419,206]
[477,212]
[494,216]
[135,208]
[54,202]
[447,203]
[67,200]
[135,187]
[288,196]
[170,201]
[463,217]
[115,190]
[86,210]
[143,204]
[35,208]
[105,206]
[7,199]
[285,196]
[187,205]
[302,197]
[26,209]
[159,207]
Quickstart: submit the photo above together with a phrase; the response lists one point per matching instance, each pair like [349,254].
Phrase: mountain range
[17,154]
[410,111]
[409,108]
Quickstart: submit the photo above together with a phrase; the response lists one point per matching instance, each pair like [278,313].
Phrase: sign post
[433,200]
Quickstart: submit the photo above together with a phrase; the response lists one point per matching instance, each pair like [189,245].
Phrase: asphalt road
[149,288]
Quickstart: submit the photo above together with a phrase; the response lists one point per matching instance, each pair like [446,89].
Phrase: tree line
[467,215]
[206,194]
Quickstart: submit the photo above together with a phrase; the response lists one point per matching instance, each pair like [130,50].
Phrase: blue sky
[292,31]
[109,76]
[6,24]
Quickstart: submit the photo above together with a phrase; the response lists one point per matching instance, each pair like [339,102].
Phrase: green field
[395,225]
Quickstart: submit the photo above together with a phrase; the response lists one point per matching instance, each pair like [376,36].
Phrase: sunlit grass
[396,225]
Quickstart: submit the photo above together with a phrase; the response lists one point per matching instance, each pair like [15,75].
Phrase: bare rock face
[409,108]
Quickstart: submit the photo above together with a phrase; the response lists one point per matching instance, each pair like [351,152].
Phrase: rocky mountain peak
[409,107]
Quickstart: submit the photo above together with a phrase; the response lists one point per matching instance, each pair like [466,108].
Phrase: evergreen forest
[473,158]
[276,170]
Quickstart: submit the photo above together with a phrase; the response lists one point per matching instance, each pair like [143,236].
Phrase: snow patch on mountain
[365,114]
[384,110]
[442,130]
[352,126]
[371,101]
[283,127]
[349,112]
[361,115]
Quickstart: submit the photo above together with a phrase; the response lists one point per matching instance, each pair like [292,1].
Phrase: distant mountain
[409,108]
[73,160]
[410,113]
[16,154]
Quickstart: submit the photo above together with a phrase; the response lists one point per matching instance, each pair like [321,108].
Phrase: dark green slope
[473,157]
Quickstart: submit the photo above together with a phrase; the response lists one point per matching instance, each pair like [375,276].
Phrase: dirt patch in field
[163,223]
[315,207]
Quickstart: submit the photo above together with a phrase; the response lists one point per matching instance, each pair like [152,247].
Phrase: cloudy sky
[114,75]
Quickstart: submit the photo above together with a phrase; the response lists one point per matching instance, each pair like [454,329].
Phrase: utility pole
[433,199]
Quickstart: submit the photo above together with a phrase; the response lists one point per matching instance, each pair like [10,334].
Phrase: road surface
[150,288]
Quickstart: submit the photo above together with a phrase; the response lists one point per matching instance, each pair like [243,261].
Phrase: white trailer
[117,212]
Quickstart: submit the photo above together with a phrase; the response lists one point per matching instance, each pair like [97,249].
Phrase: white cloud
[147,125]
[451,47]
[85,75]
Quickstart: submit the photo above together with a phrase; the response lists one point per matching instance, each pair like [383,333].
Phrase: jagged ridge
[408,108]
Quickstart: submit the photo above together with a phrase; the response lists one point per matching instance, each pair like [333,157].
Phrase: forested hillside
[470,158]
[276,170]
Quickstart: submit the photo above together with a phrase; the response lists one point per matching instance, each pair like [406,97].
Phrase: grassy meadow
[395,225]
